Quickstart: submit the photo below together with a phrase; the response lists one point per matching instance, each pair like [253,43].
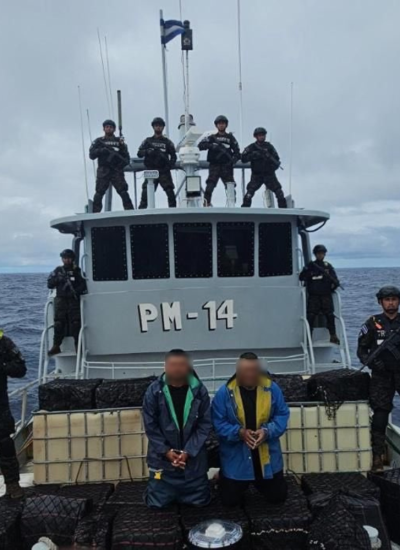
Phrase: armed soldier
[223,154]
[113,155]
[321,280]
[159,154]
[379,349]
[70,285]
[264,162]
[12,365]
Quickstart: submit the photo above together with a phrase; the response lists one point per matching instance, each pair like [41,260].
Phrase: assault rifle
[391,344]
[271,158]
[223,151]
[68,284]
[113,158]
[158,156]
[327,274]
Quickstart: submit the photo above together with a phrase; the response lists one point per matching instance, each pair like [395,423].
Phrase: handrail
[307,330]
[344,340]
[43,340]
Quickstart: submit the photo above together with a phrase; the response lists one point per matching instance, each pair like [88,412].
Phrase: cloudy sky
[342,56]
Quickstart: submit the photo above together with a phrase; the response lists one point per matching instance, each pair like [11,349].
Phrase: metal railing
[344,343]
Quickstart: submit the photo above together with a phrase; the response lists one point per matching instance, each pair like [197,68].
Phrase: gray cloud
[342,57]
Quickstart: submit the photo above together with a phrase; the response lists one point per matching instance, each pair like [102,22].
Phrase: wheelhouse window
[109,254]
[150,251]
[235,249]
[193,250]
[275,249]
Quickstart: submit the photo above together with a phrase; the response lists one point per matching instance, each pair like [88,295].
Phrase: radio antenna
[104,73]
[239,31]
[291,138]
[91,140]
[83,143]
[119,112]
[109,76]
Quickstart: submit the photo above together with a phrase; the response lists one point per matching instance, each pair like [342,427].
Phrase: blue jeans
[173,487]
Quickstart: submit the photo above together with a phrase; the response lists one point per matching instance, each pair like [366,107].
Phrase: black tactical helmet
[319,248]
[158,121]
[260,131]
[68,253]
[109,122]
[221,118]
[388,292]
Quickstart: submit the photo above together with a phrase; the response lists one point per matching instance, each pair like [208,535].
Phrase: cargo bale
[10,513]
[68,395]
[389,486]
[339,481]
[293,386]
[97,493]
[129,392]
[130,493]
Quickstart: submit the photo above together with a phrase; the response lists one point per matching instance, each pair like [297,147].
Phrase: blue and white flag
[170,29]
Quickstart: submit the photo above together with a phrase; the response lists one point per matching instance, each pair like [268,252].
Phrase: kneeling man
[177,419]
[249,416]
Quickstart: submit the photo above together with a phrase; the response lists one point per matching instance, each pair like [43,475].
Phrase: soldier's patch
[364,330]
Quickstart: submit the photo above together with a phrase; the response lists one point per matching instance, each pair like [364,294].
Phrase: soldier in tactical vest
[12,365]
[113,155]
[321,280]
[385,379]
[264,162]
[223,154]
[159,154]
[70,285]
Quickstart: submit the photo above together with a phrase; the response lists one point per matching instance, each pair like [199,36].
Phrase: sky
[341,56]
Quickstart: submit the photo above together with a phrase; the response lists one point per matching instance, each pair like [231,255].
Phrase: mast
[165,83]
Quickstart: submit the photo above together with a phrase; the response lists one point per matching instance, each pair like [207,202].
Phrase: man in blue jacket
[177,419]
[249,416]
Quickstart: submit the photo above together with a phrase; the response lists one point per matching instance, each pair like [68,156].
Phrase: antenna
[291,138]
[104,72]
[119,112]
[83,143]
[109,76]
[240,71]
[91,140]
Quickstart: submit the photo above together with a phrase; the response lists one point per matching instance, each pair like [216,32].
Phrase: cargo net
[334,387]
[278,527]
[68,395]
[128,392]
[389,485]
[331,483]
[293,386]
[128,494]
[337,529]
[9,525]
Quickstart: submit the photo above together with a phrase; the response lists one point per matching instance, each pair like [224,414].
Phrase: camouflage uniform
[385,378]
[11,364]
[263,167]
[223,153]
[159,154]
[67,311]
[107,173]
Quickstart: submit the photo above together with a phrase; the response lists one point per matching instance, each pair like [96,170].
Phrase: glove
[378,366]
[215,145]
[149,150]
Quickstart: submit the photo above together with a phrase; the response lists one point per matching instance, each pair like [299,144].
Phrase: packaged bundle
[68,395]
[293,386]
[129,392]
[331,483]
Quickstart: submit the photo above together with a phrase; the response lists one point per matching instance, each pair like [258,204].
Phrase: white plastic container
[373,536]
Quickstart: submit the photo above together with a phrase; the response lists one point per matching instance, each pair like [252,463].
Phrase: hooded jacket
[162,428]
[227,416]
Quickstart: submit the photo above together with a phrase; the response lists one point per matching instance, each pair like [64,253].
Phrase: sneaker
[377,464]
[14,491]
[334,339]
[55,350]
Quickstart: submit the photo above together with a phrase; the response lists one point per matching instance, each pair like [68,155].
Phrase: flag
[170,29]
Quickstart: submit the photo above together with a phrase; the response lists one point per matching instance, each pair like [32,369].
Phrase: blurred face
[320,256]
[390,305]
[260,138]
[68,262]
[177,369]
[109,130]
[222,127]
[158,129]
[248,372]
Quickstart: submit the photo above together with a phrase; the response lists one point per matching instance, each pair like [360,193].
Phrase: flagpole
[165,84]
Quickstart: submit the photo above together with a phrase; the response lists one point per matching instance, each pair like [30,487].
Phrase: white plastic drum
[215,534]
[373,536]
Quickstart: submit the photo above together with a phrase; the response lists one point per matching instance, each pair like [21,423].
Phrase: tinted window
[150,251]
[275,249]
[109,254]
[235,249]
[193,250]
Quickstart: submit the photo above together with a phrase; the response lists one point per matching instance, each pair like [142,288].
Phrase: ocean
[23,297]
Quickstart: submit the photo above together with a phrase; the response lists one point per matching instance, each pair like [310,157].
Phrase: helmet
[260,131]
[319,248]
[68,253]
[109,122]
[221,118]
[388,292]
[158,121]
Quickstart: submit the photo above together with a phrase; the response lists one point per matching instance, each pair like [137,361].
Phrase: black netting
[336,482]
[128,494]
[366,510]
[212,446]
[97,493]
[389,485]
[122,393]
[51,516]
[293,386]
[36,490]
[141,528]
[334,387]
[68,395]
[9,525]
[95,531]
[279,526]
[336,529]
